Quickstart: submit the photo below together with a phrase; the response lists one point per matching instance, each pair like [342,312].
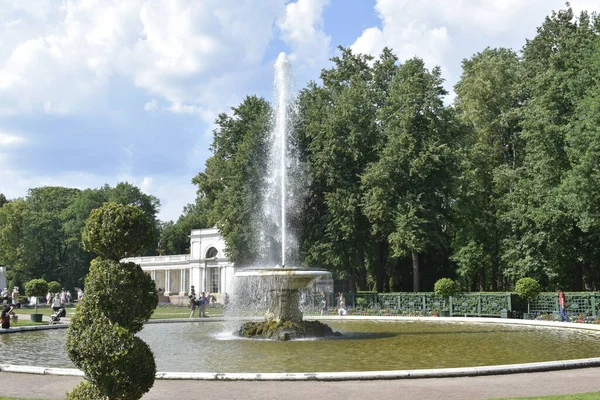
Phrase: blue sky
[100,91]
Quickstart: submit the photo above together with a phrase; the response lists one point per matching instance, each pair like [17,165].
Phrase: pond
[365,346]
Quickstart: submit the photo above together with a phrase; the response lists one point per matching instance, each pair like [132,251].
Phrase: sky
[96,92]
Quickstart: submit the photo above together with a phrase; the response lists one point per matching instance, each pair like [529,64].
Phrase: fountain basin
[371,348]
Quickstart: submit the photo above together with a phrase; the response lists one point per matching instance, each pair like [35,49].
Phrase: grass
[182,312]
[26,322]
[581,396]
[159,313]
[45,310]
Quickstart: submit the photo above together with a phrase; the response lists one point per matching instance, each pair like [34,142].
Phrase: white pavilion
[206,268]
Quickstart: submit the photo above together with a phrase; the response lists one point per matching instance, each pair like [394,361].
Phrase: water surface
[365,346]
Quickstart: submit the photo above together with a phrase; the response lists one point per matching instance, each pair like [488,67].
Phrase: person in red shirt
[562,305]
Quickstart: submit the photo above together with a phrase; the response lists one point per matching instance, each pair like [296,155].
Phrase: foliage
[528,288]
[445,287]
[40,235]
[36,287]
[110,286]
[101,338]
[116,230]
[229,189]
[54,287]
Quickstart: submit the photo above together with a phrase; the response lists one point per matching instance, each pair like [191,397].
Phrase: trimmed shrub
[54,287]
[119,298]
[115,230]
[445,287]
[528,288]
[124,292]
[37,288]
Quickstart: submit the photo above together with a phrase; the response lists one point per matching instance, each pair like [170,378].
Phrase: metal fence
[580,305]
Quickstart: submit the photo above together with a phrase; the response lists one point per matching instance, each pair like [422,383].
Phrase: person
[202,303]
[342,304]
[15,295]
[5,316]
[323,303]
[4,296]
[57,303]
[562,305]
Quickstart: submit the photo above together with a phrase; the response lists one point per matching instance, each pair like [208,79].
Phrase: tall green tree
[231,182]
[407,189]
[488,104]
[547,240]
[338,150]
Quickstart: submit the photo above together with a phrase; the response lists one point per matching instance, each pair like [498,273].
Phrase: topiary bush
[445,287]
[37,288]
[115,230]
[528,288]
[119,298]
[54,287]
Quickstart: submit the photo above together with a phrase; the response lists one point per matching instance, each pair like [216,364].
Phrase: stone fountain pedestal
[283,320]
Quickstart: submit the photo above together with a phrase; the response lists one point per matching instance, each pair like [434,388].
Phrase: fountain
[283,320]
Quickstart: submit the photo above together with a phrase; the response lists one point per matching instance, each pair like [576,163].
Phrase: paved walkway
[475,388]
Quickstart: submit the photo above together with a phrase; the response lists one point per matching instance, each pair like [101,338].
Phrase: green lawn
[26,322]
[582,396]
[159,313]
[182,312]
[45,310]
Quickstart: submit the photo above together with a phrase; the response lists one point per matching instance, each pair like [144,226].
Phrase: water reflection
[366,345]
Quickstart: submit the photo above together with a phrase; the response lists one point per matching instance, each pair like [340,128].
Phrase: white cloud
[302,27]
[9,140]
[444,32]
[151,105]
[62,57]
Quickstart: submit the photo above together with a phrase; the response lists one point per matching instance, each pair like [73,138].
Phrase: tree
[37,288]
[488,104]
[547,240]
[174,236]
[407,189]
[338,130]
[54,287]
[230,186]
[16,248]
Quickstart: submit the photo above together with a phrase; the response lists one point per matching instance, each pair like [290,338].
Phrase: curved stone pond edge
[343,376]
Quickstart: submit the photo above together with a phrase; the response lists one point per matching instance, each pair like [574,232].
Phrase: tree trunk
[380,266]
[578,278]
[362,269]
[415,262]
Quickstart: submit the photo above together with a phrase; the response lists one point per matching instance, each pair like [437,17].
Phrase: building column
[182,288]
[167,282]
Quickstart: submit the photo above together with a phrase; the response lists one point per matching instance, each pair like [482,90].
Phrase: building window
[211,252]
[214,280]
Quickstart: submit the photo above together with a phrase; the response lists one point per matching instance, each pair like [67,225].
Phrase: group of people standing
[198,303]
[341,304]
[13,298]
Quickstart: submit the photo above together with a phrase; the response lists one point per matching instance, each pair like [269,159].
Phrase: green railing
[579,304]
[417,304]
